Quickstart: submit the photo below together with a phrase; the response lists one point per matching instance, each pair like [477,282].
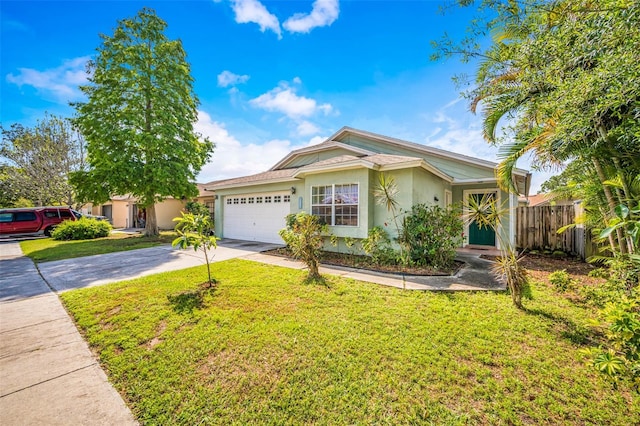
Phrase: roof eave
[347,165]
[253,183]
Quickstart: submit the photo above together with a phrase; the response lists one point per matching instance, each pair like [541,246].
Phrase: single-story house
[123,211]
[335,180]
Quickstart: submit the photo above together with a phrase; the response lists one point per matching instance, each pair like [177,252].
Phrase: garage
[256,217]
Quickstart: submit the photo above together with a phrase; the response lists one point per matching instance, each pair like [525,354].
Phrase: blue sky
[271,76]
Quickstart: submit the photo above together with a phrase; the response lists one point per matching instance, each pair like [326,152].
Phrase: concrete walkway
[48,375]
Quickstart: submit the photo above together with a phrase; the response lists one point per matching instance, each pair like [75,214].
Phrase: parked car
[32,220]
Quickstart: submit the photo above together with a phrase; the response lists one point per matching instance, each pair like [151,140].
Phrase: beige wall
[166,211]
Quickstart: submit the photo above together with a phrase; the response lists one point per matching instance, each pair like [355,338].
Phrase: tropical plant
[544,77]
[138,119]
[486,213]
[385,193]
[194,231]
[304,235]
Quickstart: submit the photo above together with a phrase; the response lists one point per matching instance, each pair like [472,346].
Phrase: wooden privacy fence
[537,229]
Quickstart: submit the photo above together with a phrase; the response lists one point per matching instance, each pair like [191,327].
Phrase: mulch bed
[364,262]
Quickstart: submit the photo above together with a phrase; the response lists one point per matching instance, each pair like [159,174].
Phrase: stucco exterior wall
[167,210]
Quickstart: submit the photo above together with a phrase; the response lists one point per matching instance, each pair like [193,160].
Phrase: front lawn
[267,349]
[48,249]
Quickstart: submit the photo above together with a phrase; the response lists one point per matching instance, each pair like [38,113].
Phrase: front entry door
[484,236]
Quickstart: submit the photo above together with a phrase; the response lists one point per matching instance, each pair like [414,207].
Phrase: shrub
[82,229]
[430,236]
[378,246]
[196,208]
[561,280]
[599,273]
[304,235]
[621,356]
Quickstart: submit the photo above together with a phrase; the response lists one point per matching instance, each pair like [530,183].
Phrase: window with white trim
[336,205]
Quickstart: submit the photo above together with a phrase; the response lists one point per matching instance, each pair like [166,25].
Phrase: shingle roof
[260,177]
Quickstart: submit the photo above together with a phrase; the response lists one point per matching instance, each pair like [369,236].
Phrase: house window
[336,205]
[277,198]
[287,198]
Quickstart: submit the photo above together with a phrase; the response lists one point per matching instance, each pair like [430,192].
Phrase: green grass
[264,348]
[48,249]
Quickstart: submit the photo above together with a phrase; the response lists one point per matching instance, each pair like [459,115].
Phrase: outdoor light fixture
[293,190]
[435,198]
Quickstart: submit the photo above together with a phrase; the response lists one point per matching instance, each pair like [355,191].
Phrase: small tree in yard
[193,231]
[304,235]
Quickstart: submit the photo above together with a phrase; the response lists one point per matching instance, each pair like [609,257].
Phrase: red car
[32,220]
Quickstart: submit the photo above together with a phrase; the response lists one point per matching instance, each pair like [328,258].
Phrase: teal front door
[481,236]
[484,236]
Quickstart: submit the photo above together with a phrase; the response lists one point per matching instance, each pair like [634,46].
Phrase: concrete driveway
[68,274]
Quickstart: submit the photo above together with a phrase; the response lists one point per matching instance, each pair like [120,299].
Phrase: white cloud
[306,128]
[253,11]
[466,137]
[323,14]
[232,158]
[61,83]
[227,78]
[284,99]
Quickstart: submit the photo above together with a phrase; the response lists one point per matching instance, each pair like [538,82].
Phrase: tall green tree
[138,119]
[35,162]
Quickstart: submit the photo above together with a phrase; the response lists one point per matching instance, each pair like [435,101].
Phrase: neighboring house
[542,199]
[207,198]
[124,212]
[335,180]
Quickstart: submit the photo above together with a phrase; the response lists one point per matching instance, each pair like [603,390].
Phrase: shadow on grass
[320,280]
[187,301]
[569,330]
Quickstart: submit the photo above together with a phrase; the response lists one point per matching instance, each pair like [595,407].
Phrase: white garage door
[256,217]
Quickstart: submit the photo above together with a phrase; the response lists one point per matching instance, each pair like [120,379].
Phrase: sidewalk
[48,375]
